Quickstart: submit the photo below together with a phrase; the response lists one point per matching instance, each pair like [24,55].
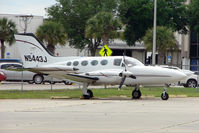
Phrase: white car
[28,76]
[190,81]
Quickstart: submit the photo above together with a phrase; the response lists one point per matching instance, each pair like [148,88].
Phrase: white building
[32,23]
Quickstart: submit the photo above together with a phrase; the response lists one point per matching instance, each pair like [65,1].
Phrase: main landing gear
[136,93]
[87,93]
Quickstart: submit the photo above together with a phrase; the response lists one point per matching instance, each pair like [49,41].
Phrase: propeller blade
[122,82]
[124,62]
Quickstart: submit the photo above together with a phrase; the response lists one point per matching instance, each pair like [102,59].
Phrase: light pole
[26,19]
[154,32]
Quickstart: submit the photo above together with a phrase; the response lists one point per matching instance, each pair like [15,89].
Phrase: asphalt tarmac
[147,115]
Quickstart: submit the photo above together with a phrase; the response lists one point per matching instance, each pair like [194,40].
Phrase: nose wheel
[165,95]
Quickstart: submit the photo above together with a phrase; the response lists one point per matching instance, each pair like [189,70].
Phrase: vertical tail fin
[33,52]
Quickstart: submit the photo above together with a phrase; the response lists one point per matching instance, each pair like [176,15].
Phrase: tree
[74,14]
[52,33]
[165,41]
[194,16]
[7,31]
[137,15]
[102,26]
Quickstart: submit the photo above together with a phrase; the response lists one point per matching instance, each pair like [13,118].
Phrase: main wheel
[191,83]
[136,94]
[90,94]
[38,79]
[165,96]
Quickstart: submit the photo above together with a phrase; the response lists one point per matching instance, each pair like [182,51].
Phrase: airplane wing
[54,68]
[66,72]
[81,77]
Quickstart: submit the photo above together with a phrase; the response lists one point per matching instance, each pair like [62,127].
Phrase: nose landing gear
[165,95]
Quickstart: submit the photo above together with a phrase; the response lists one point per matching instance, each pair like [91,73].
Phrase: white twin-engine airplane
[113,70]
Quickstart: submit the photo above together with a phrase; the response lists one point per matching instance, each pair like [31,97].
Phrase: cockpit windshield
[130,62]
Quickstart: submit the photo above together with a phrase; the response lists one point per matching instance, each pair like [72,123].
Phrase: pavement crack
[180,124]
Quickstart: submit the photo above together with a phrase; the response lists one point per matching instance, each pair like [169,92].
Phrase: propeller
[122,82]
[125,73]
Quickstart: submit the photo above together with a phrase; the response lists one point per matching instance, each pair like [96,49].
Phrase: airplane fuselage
[107,69]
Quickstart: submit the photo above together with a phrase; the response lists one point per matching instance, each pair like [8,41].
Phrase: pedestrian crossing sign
[105,51]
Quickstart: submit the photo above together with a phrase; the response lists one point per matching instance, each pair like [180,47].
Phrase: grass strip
[100,93]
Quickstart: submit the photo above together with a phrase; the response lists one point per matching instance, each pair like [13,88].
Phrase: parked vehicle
[190,81]
[2,76]
[13,72]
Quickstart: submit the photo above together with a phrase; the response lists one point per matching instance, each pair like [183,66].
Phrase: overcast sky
[25,7]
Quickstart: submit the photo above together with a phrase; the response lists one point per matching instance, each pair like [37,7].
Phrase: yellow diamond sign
[105,51]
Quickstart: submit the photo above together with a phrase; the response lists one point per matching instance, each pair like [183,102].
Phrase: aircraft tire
[90,93]
[86,97]
[165,96]
[136,94]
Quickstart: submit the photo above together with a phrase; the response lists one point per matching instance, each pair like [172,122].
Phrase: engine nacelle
[127,74]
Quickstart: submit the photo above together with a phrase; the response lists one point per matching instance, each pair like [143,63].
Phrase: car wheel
[67,83]
[38,79]
[191,83]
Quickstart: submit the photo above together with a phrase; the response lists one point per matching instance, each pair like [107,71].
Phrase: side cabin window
[104,62]
[75,63]
[117,62]
[68,63]
[132,62]
[84,63]
[94,62]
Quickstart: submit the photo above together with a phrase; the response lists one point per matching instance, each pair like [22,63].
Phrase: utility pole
[26,20]
[154,33]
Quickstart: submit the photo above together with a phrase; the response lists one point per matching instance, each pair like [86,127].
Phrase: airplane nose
[178,75]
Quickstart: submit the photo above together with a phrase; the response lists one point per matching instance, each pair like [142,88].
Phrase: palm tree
[52,33]
[7,31]
[103,26]
[165,41]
